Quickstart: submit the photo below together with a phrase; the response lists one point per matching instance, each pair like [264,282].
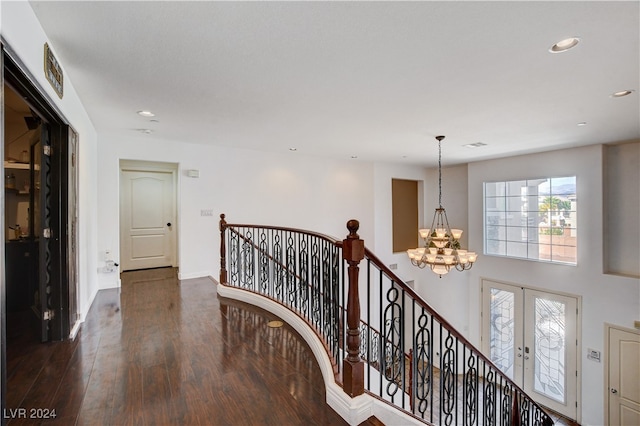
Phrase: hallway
[164,352]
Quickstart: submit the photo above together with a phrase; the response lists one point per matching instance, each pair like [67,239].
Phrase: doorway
[39,267]
[39,262]
[532,336]
[148,228]
[623,376]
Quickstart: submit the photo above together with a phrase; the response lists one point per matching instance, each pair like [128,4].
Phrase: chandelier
[441,250]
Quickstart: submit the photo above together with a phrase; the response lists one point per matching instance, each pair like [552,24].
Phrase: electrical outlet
[207,212]
[393,266]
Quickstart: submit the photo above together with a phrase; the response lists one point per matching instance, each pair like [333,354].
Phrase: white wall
[605,298]
[25,38]
[287,189]
[446,295]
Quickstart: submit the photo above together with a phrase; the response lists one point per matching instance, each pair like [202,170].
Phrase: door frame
[483,337]
[16,73]
[3,300]
[152,166]
[607,333]
[71,181]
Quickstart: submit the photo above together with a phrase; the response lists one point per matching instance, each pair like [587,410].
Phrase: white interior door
[147,219]
[624,377]
[532,337]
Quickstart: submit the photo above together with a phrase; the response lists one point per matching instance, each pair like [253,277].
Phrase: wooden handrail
[333,240]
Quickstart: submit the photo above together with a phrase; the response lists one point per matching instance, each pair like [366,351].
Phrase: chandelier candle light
[441,249]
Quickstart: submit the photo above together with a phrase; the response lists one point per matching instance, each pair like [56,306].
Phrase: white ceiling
[378,80]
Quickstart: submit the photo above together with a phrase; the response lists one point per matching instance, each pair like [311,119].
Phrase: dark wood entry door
[42,208]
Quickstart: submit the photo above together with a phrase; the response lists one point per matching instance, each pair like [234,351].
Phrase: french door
[531,336]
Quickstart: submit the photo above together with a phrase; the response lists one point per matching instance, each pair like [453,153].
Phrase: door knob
[168,223]
[614,390]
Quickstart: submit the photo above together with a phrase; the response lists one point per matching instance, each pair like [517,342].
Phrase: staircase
[386,346]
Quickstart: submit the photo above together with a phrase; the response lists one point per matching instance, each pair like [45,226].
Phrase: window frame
[513,221]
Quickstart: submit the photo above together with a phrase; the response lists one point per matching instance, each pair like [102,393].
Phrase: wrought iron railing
[383,338]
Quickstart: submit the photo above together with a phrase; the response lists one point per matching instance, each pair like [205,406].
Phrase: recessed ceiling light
[146,113]
[154,121]
[354,157]
[475,145]
[145,131]
[293,149]
[582,123]
[564,45]
[622,93]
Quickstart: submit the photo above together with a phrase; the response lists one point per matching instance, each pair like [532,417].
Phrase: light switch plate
[593,355]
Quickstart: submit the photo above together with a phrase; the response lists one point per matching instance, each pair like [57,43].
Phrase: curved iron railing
[412,357]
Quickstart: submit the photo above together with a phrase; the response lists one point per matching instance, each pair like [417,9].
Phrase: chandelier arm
[446,224]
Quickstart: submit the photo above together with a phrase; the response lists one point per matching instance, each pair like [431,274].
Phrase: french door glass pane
[549,349]
[502,334]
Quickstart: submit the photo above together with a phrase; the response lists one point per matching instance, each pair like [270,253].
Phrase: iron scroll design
[414,359]
[298,270]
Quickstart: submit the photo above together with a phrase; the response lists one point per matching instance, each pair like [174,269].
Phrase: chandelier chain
[440,172]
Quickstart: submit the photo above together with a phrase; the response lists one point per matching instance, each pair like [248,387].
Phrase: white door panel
[147,246]
[147,215]
[624,377]
[147,199]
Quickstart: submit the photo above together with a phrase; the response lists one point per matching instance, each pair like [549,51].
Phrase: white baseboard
[353,410]
[191,275]
[76,327]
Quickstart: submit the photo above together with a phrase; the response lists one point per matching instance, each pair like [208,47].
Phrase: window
[532,219]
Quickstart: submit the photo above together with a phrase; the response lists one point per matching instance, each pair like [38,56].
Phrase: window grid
[532,219]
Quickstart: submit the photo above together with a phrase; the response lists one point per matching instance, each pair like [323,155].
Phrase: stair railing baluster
[316,277]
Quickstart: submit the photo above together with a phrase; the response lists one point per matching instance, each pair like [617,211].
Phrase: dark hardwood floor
[166,352]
